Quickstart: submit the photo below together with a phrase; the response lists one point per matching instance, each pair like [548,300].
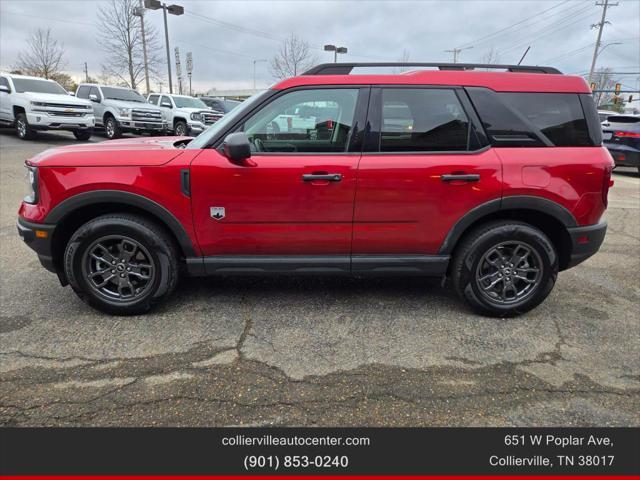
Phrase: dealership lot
[319,351]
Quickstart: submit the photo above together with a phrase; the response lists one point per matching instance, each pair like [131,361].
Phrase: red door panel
[404,207]
[269,209]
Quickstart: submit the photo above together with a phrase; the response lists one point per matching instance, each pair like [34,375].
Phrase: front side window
[83,92]
[4,82]
[165,102]
[423,120]
[153,99]
[305,121]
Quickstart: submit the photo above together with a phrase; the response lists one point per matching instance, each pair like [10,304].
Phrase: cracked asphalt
[320,351]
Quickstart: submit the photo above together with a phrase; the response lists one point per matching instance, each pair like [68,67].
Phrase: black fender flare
[515,202]
[71,204]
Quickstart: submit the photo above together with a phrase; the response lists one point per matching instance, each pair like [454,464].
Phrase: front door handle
[327,177]
[462,177]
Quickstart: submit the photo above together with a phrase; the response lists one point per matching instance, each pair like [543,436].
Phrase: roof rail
[346,68]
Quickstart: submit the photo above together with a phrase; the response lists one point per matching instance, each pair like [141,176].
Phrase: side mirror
[237,149]
[94,98]
[73,94]
[166,105]
[5,89]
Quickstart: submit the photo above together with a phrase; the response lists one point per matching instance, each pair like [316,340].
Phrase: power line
[498,32]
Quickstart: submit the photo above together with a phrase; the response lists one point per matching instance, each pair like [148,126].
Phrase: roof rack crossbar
[346,68]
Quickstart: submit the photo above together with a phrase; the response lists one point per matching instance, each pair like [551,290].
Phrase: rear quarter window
[558,116]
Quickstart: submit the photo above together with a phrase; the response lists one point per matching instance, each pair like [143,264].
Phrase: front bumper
[196,128]
[127,124]
[623,155]
[38,236]
[585,241]
[45,121]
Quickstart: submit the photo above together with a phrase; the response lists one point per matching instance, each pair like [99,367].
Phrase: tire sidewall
[512,232]
[181,125]
[116,129]
[21,117]
[84,238]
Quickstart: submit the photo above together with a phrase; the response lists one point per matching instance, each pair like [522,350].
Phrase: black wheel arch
[548,216]
[68,215]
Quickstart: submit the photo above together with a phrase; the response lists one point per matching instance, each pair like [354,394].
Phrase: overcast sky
[226,36]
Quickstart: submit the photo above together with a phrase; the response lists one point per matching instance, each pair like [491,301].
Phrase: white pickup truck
[185,115]
[31,104]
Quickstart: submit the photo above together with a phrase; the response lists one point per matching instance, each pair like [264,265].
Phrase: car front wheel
[112,129]
[504,268]
[121,264]
[83,135]
[180,129]
[23,130]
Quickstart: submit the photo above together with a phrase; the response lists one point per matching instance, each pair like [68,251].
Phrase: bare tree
[404,59]
[492,57]
[120,37]
[294,57]
[43,56]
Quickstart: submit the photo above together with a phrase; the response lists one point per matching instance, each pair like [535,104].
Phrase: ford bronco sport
[494,180]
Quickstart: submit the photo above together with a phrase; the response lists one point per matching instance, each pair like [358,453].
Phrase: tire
[111,128]
[107,259]
[23,130]
[479,260]
[83,135]
[180,128]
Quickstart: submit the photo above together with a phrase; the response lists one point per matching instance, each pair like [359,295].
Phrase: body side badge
[217,212]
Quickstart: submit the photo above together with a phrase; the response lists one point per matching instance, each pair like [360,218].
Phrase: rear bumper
[585,241]
[38,236]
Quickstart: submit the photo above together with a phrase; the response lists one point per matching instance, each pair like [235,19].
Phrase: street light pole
[139,12]
[254,70]
[335,50]
[174,10]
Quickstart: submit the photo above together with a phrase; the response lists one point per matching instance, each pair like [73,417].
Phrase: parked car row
[621,136]
[31,104]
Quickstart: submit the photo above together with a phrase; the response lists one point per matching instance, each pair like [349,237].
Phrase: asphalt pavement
[319,351]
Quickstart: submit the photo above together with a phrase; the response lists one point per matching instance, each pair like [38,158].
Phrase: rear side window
[423,120]
[558,116]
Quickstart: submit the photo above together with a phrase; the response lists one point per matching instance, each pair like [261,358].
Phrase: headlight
[38,104]
[124,112]
[31,178]
[196,116]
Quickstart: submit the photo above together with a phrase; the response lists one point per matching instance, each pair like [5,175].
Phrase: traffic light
[617,90]
[593,86]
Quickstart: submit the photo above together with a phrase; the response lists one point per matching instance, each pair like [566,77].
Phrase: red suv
[495,180]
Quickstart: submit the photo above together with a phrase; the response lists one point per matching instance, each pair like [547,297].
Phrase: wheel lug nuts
[122,275]
[113,271]
[128,269]
[113,262]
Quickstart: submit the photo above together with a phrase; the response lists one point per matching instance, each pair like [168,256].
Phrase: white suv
[185,115]
[31,104]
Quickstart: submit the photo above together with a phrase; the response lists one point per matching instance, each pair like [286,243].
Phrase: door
[425,165]
[297,196]
[98,107]
[5,101]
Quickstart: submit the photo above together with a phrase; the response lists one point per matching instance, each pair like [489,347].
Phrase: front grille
[66,114]
[138,115]
[63,105]
[210,118]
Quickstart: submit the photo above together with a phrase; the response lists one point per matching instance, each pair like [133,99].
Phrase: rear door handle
[327,177]
[463,177]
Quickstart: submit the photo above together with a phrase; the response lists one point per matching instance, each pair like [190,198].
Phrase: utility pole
[605,4]
[86,73]
[455,52]
[139,12]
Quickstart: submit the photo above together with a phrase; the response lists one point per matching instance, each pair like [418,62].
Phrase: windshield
[188,102]
[122,94]
[202,140]
[37,86]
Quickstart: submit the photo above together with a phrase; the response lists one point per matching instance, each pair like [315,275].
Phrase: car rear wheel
[121,264]
[504,268]
[23,130]
[180,128]
[111,128]
[83,135]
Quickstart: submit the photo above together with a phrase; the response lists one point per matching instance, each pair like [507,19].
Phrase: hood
[152,151]
[124,104]
[55,98]
[194,110]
